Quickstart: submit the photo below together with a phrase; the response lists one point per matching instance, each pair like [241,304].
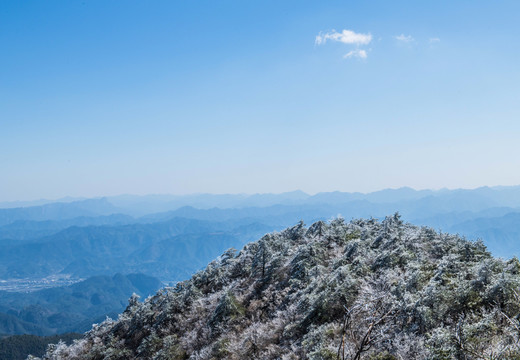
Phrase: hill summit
[364,289]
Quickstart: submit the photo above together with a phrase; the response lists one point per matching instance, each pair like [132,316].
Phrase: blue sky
[110,97]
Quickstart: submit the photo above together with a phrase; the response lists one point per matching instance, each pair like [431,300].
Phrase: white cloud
[404,38]
[434,40]
[362,54]
[346,37]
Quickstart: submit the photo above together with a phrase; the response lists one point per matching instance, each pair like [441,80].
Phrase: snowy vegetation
[364,289]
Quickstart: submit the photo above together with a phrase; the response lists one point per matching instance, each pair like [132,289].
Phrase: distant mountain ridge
[95,250]
[31,229]
[58,211]
[139,205]
[101,236]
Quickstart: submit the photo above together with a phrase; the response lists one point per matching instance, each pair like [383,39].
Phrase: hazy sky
[111,97]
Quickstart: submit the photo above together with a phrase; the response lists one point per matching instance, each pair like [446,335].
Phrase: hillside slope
[101,250]
[17,347]
[359,290]
[70,308]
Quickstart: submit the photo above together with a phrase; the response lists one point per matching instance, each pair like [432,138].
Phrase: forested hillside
[363,289]
[171,250]
[17,347]
[70,308]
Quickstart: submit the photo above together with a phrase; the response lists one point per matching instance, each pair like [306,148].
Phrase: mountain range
[133,233]
[169,238]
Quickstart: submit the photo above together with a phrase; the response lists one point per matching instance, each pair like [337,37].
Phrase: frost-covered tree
[364,289]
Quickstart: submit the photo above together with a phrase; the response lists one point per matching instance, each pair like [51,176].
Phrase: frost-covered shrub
[364,289]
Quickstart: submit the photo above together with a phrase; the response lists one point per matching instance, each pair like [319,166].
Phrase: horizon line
[69,198]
